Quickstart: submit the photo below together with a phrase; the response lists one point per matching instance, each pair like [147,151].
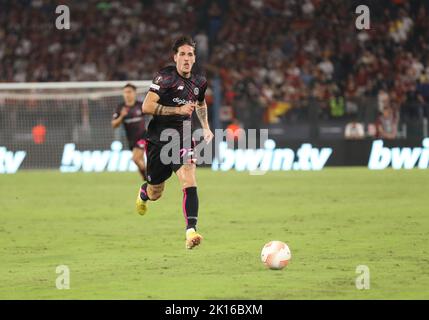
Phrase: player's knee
[187,176]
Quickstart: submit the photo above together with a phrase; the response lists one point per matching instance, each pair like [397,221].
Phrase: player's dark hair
[183,40]
[130,85]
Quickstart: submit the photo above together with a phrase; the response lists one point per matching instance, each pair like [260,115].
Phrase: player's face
[129,96]
[185,59]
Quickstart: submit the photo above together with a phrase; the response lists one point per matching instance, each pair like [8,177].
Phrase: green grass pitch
[333,221]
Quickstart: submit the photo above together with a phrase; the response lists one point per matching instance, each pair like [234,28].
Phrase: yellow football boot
[141,205]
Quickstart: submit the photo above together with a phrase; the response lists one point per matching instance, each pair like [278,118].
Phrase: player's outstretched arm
[151,106]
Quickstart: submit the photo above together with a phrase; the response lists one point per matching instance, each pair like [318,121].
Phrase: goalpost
[40,119]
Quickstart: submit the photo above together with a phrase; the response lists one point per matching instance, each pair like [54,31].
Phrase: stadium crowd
[272,54]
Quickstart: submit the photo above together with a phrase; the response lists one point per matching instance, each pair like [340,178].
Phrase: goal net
[65,126]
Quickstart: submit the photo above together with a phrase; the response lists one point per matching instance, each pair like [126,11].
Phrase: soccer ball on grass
[276,255]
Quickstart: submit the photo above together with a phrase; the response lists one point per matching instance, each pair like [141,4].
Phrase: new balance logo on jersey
[182,101]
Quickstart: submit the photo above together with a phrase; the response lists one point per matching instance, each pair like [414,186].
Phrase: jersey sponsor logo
[132,120]
[196,91]
[182,101]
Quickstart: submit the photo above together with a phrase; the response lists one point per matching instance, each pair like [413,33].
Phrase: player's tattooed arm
[161,110]
[152,106]
[201,111]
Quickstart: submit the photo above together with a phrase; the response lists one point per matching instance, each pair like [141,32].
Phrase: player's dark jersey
[174,90]
[133,122]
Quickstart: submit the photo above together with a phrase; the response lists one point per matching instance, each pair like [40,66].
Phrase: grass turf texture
[333,221]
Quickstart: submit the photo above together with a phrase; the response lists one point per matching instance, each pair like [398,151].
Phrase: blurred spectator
[354,130]
[383,99]
[414,104]
[423,90]
[202,47]
[39,133]
[387,124]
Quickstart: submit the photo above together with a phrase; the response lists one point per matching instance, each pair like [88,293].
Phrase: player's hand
[186,109]
[208,135]
[124,112]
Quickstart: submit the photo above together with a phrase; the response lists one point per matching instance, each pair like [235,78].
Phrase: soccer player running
[129,114]
[174,94]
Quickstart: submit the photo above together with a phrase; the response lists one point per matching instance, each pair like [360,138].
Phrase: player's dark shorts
[139,144]
[157,171]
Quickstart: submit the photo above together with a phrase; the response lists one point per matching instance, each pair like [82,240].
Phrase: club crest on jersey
[180,88]
[196,91]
